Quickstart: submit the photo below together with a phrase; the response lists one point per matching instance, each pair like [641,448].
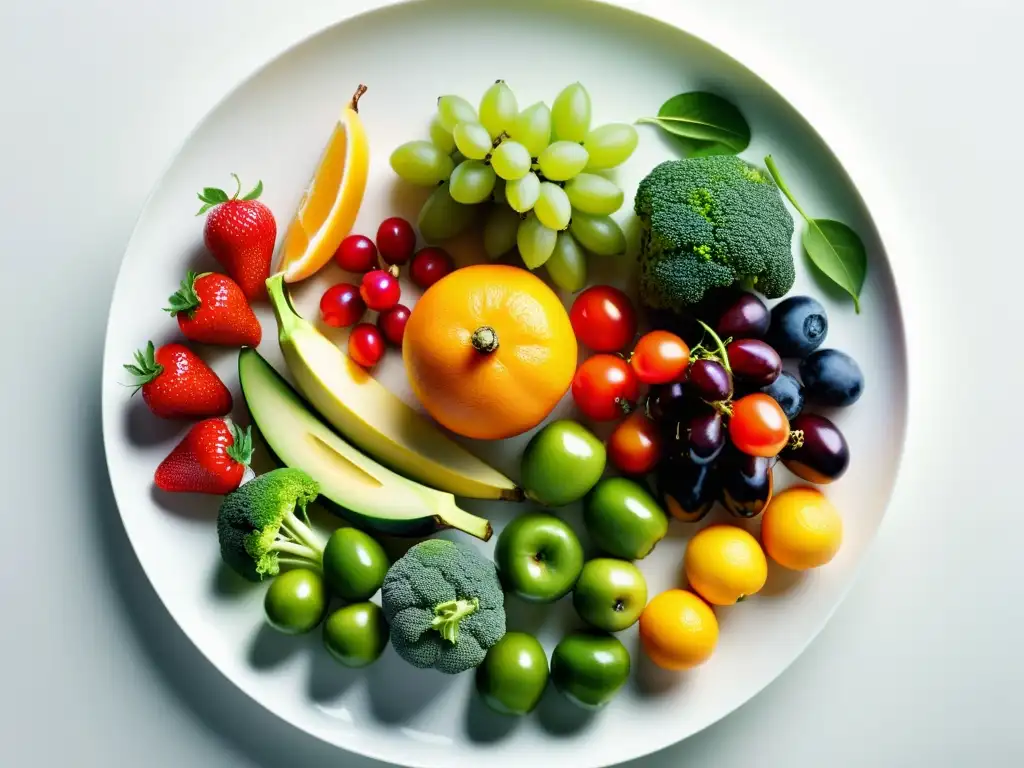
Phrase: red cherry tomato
[758,426]
[429,265]
[605,387]
[635,447]
[366,345]
[380,290]
[392,323]
[396,240]
[342,306]
[660,357]
[357,253]
[603,319]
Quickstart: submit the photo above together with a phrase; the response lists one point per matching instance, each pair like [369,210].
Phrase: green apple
[539,557]
[589,668]
[512,677]
[623,519]
[561,463]
[610,594]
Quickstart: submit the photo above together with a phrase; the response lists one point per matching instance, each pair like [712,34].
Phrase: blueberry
[831,377]
[799,325]
[788,392]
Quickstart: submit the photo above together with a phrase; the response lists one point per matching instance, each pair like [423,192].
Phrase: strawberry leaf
[185,298]
[256,191]
[146,368]
[241,449]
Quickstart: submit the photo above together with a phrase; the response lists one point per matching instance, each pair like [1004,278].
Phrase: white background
[921,665]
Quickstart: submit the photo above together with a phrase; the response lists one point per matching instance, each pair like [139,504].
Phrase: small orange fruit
[678,630]
[801,529]
[725,564]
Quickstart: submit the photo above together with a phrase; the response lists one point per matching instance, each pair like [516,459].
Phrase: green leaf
[838,252]
[256,191]
[704,117]
[214,195]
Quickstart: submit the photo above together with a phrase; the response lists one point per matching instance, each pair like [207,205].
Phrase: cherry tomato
[396,240]
[342,306]
[758,426]
[380,290]
[605,387]
[660,357]
[603,319]
[357,253]
[366,345]
[635,447]
[429,265]
[392,323]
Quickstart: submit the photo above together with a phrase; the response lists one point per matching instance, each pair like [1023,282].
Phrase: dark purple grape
[754,362]
[788,392]
[687,489]
[823,455]
[746,483]
[798,326]
[747,318]
[831,378]
[705,437]
[709,380]
[669,404]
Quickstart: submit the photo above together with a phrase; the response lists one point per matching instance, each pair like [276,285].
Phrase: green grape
[421,162]
[567,266]
[498,108]
[500,231]
[536,242]
[562,160]
[441,138]
[511,160]
[441,218]
[610,145]
[472,140]
[594,194]
[598,234]
[552,206]
[570,114]
[532,128]
[472,182]
[453,110]
[498,193]
[522,193]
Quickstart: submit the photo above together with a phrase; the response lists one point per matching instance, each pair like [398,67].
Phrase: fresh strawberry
[211,458]
[176,384]
[240,233]
[212,309]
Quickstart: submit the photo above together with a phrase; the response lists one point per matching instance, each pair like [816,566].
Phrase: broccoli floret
[709,222]
[445,606]
[259,529]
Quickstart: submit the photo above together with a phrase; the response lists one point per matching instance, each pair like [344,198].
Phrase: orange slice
[329,206]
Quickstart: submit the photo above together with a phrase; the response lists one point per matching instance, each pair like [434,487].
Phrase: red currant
[357,253]
[380,290]
[366,345]
[342,306]
[429,265]
[396,240]
[392,323]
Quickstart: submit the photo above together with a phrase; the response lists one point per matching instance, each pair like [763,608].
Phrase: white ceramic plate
[272,127]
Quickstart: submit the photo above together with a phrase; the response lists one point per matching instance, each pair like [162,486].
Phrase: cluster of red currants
[344,305]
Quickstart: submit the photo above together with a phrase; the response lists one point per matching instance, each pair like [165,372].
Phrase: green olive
[354,564]
[296,601]
[357,634]
[513,675]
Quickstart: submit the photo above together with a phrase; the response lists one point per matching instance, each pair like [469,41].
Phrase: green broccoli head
[259,529]
[445,606]
[709,222]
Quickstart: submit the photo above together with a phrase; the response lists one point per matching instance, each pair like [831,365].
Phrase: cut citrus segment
[329,206]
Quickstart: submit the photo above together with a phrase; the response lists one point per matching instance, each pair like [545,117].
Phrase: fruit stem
[722,354]
[724,407]
[485,339]
[354,104]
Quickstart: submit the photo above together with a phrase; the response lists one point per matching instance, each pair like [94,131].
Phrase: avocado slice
[362,490]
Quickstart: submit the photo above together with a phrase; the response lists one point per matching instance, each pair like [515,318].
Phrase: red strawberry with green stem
[211,458]
[177,384]
[212,309]
[240,233]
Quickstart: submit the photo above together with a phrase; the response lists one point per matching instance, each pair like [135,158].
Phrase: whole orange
[725,564]
[801,529]
[490,351]
[678,630]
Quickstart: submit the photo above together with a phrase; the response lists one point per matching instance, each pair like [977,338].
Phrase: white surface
[921,663]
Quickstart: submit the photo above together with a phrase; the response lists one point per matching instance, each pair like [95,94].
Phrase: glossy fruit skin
[380,290]
[636,445]
[341,306]
[241,235]
[660,357]
[823,455]
[831,378]
[801,529]
[754,362]
[746,483]
[788,392]
[705,437]
[212,309]
[709,380]
[366,345]
[561,463]
[177,384]
[603,319]
[356,635]
[484,385]
[512,677]
[678,630]
[672,403]
[610,594]
[429,265]
[296,601]
[539,558]
[605,388]
[758,426]
[589,668]
[725,564]
[211,458]
[687,488]
[799,325]
[354,564]
[396,240]
[392,323]
[356,254]
[623,519]
[746,318]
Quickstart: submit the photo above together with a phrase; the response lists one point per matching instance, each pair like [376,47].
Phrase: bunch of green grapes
[535,174]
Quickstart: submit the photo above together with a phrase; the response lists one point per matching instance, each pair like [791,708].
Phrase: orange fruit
[489,351]
[801,529]
[725,564]
[678,630]
[329,206]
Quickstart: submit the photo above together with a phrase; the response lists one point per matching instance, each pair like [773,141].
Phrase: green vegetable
[445,606]
[709,222]
[833,247]
[296,601]
[713,125]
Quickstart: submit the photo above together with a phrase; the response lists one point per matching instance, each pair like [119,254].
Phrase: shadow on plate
[483,724]
[228,585]
[145,429]
[781,581]
[328,679]
[270,648]
[193,506]
[559,717]
[399,692]
[651,681]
